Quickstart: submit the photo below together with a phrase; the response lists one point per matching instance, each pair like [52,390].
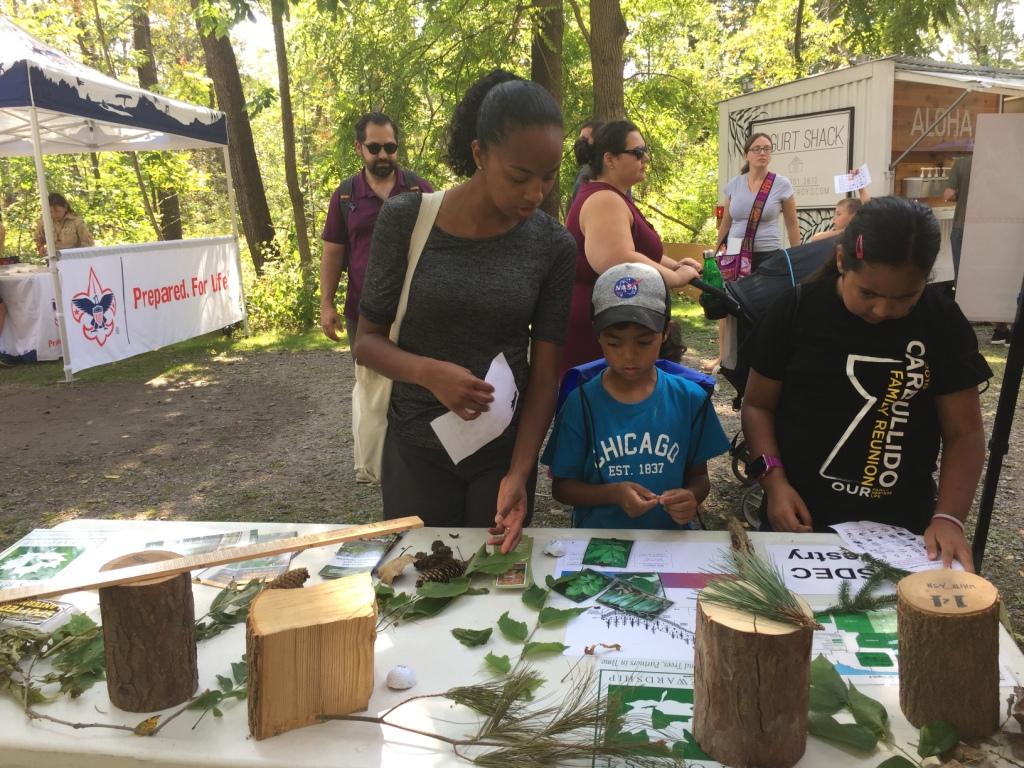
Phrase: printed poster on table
[124,300]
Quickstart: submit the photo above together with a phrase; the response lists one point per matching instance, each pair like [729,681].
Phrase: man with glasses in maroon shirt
[352,214]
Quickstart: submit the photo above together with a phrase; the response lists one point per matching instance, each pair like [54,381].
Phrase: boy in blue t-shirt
[629,448]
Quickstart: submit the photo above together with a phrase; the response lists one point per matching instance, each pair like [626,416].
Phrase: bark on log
[310,653]
[149,638]
[949,651]
[750,688]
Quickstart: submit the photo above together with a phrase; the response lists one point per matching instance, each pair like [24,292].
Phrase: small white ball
[555,548]
[401,677]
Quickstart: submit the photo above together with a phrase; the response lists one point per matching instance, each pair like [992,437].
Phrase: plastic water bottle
[711,274]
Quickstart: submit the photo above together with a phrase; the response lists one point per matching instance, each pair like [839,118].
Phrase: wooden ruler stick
[147,571]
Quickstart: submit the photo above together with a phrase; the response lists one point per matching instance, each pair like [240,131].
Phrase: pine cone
[444,572]
[290,580]
[439,553]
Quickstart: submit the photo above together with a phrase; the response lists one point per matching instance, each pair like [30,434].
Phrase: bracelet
[955,520]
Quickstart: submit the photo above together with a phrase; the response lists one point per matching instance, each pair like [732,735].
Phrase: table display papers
[897,546]
[669,635]
[820,569]
[263,568]
[462,438]
[45,554]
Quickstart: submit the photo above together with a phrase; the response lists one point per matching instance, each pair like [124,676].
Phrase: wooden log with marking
[750,688]
[310,652]
[149,637]
[217,557]
[949,651]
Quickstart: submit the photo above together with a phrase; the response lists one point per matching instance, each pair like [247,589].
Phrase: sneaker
[1000,335]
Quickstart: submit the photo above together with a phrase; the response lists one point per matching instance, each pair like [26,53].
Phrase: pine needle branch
[752,585]
[878,572]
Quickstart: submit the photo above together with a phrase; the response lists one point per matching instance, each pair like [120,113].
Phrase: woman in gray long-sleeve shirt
[495,277]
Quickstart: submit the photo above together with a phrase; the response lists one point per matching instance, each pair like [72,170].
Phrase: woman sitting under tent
[69,230]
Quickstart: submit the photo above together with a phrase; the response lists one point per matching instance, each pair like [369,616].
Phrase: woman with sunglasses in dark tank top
[610,230]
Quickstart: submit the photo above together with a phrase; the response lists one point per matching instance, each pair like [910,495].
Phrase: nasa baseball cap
[630,293]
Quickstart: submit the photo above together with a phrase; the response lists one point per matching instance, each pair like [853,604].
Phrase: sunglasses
[638,152]
[761,150]
[374,148]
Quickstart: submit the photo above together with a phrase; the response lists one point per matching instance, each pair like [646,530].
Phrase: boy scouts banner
[123,300]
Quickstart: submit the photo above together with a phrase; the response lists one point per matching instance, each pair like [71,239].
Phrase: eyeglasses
[760,150]
[638,152]
[374,148]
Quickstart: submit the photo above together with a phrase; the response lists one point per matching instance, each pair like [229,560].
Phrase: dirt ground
[266,436]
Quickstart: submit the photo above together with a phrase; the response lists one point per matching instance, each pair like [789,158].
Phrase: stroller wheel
[750,503]
[740,456]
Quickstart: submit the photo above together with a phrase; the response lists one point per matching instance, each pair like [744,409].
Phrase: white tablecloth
[31,324]
[427,645]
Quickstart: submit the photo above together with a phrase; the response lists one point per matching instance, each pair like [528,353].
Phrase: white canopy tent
[52,104]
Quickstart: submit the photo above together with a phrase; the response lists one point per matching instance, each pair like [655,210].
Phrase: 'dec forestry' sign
[810,150]
[124,300]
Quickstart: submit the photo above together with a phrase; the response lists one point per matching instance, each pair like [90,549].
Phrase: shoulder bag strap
[755,214]
[430,204]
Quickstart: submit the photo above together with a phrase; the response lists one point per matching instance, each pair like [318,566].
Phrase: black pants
[425,482]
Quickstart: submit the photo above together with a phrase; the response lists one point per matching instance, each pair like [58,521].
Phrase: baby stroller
[745,302]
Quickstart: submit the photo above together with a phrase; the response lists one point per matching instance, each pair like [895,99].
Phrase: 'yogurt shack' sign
[810,150]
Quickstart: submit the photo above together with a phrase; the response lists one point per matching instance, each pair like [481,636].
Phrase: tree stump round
[949,651]
[750,688]
[149,637]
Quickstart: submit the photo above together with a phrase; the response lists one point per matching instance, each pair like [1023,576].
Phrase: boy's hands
[680,504]
[634,499]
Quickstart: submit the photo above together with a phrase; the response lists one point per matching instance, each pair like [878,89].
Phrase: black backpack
[411,180]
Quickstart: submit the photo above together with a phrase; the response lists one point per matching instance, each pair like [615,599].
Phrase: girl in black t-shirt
[857,379]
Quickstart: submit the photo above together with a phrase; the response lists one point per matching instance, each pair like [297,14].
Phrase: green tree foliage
[415,59]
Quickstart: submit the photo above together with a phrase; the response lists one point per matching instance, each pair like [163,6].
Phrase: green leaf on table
[382,590]
[206,700]
[424,607]
[869,713]
[535,649]
[829,693]
[845,734]
[499,664]
[472,637]
[225,683]
[897,761]
[453,588]
[512,629]
[552,582]
[239,672]
[535,597]
[495,563]
[556,615]
[937,738]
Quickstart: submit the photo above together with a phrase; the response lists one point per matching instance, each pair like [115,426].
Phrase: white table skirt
[31,324]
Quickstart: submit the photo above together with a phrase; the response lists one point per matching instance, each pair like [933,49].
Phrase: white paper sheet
[851,182]
[896,546]
[462,438]
[820,569]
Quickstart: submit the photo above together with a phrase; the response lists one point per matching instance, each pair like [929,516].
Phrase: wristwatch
[761,466]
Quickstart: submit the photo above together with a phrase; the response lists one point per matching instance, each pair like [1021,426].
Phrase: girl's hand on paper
[459,390]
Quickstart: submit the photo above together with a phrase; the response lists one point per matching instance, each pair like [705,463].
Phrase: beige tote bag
[372,393]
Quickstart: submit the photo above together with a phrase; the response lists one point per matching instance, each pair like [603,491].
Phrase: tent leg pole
[234,231]
[999,443]
[51,250]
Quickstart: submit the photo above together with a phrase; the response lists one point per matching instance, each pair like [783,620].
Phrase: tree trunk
[798,35]
[938,611]
[149,638]
[607,38]
[546,67]
[741,664]
[167,199]
[253,209]
[291,171]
